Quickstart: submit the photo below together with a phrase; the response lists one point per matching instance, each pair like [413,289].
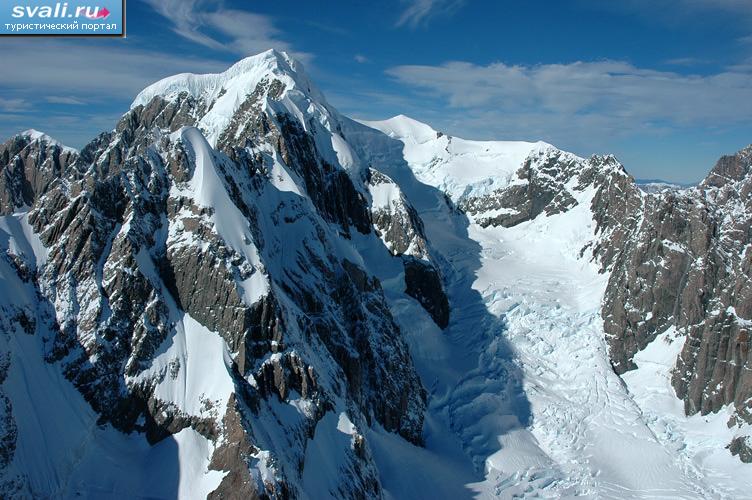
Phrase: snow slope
[699,441]
[456,166]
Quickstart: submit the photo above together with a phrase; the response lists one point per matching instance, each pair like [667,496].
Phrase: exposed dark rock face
[741,447]
[684,262]
[714,368]
[331,189]
[232,457]
[8,430]
[682,259]
[29,164]
[424,284]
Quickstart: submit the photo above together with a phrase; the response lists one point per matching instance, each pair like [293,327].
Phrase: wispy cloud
[687,61]
[13,105]
[81,70]
[581,102]
[419,12]
[360,58]
[211,24]
[68,100]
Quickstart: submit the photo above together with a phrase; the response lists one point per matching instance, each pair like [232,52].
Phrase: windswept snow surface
[700,440]
[520,383]
[456,166]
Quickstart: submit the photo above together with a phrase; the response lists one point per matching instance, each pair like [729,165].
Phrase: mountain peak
[33,135]
[730,168]
[242,77]
[404,127]
[272,81]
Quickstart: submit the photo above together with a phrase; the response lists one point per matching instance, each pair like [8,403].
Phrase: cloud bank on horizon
[641,79]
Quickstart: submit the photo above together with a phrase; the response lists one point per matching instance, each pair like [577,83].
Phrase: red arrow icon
[102,13]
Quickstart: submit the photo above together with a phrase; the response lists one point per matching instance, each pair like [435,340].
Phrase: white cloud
[360,58]
[186,18]
[13,105]
[421,11]
[580,101]
[83,70]
[71,101]
[209,23]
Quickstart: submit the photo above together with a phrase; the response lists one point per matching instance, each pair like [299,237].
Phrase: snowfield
[453,165]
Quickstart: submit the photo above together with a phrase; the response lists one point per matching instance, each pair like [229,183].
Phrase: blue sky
[666,85]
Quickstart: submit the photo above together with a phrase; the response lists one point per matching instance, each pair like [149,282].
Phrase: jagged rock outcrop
[8,433]
[29,163]
[539,187]
[547,182]
[740,447]
[395,220]
[423,283]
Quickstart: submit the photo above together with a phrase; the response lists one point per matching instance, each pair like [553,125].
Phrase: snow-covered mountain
[659,185]
[239,293]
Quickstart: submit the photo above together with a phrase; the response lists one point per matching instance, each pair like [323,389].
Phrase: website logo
[68,18]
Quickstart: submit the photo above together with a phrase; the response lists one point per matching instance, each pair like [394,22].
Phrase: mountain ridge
[359,296]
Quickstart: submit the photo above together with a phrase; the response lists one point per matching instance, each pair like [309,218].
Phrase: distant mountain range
[657,185]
